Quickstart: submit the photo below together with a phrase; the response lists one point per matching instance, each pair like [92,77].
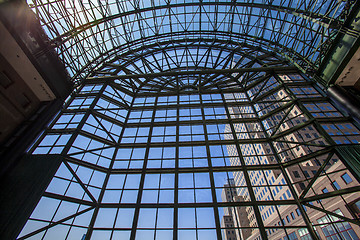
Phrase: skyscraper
[285,215]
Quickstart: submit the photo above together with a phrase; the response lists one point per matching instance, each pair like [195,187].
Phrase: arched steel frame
[265,112]
[301,31]
[212,88]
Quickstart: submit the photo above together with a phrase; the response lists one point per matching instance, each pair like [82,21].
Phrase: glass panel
[251,163]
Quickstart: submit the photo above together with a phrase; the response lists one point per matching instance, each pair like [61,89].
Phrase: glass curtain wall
[245,153]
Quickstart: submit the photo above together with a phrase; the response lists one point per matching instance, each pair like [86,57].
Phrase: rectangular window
[5,81]
[23,100]
[355,207]
[291,236]
[334,229]
[336,185]
[296,174]
[347,179]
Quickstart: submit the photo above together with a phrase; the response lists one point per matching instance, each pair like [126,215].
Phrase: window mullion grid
[176,172]
[83,120]
[306,112]
[323,134]
[316,176]
[61,113]
[245,172]
[287,178]
[327,138]
[113,160]
[49,130]
[236,216]
[194,184]
[108,173]
[143,173]
[211,173]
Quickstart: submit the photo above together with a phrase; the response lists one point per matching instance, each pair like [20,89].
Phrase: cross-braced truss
[85,33]
[198,140]
[184,65]
[190,121]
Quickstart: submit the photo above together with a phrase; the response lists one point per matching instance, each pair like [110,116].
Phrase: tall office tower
[192,120]
[260,153]
[227,222]
[234,218]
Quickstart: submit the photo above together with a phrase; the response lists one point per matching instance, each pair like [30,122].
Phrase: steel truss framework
[152,139]
[87,33]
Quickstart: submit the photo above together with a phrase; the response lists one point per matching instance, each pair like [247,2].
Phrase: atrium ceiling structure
[196,120]
[87,34]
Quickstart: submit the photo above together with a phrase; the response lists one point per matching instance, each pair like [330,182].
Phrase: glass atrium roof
[191,120]
[88,33]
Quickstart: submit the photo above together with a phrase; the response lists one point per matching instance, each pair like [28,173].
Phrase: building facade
[161,161]
[299,175]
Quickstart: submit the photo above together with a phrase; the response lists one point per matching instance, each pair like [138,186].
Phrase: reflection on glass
[247,164]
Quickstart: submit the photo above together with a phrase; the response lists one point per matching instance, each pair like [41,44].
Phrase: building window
[355,208]
[23,100]
[347,179]
[5,80]
[336,185]
[305,235]
[325,190]
[333,228]
[291,236]
[296,174]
